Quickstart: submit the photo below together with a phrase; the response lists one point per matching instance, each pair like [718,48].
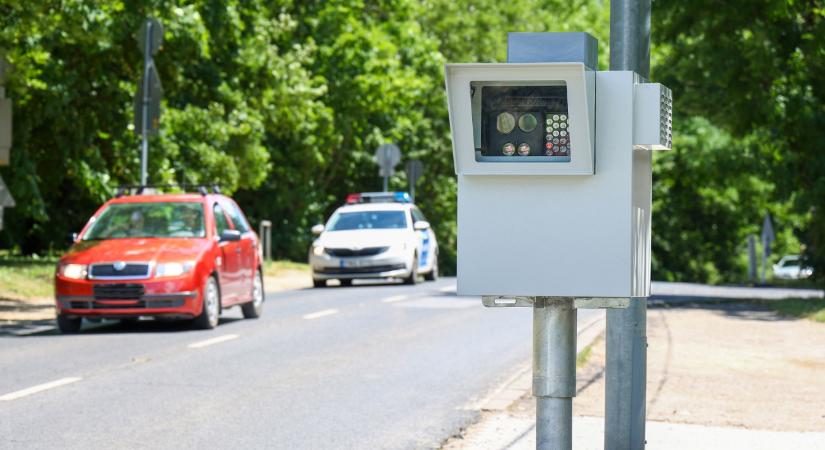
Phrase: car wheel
[68,325]
[413,278]
[319,283]
[253,309]
[211,305]
[346,282]
[432,275]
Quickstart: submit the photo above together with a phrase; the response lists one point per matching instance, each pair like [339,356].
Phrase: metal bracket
[501,301]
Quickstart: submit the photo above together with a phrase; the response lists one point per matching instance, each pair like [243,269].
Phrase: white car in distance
[375,235]
[790,268]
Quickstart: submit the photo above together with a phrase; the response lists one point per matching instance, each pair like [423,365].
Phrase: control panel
[523,122]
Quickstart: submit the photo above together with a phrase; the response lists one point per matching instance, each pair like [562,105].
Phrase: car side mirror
[230,235]
[317,229]
[421,225]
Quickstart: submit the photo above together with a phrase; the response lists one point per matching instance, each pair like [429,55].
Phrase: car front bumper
[326,267]
[180,298]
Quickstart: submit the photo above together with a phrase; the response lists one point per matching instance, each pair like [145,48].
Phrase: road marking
[395,298]
[439,303]
[213,341]
[322,313]
[33,330]
[39,388]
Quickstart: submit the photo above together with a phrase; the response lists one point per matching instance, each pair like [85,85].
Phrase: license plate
[351,263]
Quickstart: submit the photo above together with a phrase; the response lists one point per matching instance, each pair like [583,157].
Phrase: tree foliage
[283,103]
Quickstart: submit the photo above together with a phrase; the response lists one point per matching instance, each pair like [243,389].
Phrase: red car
[162,255]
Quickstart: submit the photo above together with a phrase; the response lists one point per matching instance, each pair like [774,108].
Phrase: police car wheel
[432,275]
[413,278]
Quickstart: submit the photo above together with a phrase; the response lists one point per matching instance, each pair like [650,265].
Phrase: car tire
[319,283]
[253,309]
[345,282]
[210,305]
[432,275]
[413,277]
[68,325]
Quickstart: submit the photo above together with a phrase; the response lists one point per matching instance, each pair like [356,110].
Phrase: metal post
[626,371]
[386,179]
[764,256]
[144,132]
[554,371]
[265,234]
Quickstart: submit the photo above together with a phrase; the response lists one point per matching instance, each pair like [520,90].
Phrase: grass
[26,277]
[276,268]
[805,308]
[584,355]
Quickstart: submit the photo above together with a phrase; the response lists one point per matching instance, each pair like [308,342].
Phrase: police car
[375,235]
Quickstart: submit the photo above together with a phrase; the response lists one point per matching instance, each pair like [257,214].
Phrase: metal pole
[412,191]
[764,256]
[626,371]
[752,258]
[144,132]
[554,372]
[386,179]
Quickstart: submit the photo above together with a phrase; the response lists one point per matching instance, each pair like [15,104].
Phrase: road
[379,366]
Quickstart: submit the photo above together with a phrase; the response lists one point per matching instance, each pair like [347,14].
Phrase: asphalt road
[380,366]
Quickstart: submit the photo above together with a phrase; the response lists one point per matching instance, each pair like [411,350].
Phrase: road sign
[414,171]
[387,156]
[153,104]
[154,29]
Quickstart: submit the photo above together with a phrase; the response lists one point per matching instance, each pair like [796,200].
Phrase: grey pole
[386,179]
[554,371]
[144,132]
[626,371]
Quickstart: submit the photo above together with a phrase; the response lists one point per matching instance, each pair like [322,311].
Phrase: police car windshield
[368,220]
[149,220]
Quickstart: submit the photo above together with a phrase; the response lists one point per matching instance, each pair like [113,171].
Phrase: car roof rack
[202,189]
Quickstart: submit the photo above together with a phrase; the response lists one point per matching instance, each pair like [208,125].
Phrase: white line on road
[213,341]
[395,298]
[39,388]
[322,313]
[34,330]
[448,289]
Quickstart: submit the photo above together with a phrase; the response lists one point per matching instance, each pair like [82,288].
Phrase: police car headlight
[317,250]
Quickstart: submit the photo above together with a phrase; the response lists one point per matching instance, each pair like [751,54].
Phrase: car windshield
[790,262]
[149,220]
[368,220]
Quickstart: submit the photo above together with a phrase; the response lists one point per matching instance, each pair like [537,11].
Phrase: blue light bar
[402,197]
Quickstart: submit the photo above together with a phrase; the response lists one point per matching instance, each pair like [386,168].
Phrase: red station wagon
[161,255]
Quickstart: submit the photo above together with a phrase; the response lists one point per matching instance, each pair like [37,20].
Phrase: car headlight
[173,269]
[73,271]
[317,250]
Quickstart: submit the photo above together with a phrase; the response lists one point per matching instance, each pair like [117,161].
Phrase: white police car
[375,235]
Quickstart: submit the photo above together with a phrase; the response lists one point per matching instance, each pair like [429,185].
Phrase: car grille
[108,271]
[357,270]
[118,291]
[369,251]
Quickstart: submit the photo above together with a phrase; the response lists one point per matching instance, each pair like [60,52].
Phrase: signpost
[768,237]
[387,156]
[414,171]
[150,91]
